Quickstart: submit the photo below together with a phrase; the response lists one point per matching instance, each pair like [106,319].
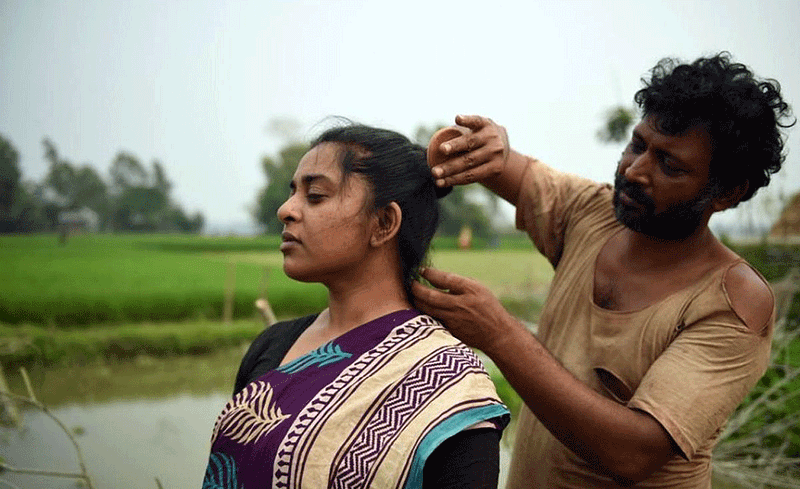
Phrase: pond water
[125,444]
[134,422]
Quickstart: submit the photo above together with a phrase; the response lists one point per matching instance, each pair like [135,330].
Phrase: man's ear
[730,197]
[388,224]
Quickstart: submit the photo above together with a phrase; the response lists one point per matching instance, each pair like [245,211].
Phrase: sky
[195,84]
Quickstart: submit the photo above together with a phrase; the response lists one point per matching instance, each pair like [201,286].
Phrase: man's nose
[640,169]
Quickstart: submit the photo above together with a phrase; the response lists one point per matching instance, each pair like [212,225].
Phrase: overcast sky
[194,84]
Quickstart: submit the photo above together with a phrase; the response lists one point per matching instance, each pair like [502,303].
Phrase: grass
[30,345]
[760,446]
[116,296]
[98,279]
[505,272]
[101,279]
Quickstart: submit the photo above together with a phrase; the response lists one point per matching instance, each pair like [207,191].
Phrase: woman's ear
[388,224]
[730,197]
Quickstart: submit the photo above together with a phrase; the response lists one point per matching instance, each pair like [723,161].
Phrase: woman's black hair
[742,114]
[396,170]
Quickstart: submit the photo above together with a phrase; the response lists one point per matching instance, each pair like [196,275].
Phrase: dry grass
[759,446]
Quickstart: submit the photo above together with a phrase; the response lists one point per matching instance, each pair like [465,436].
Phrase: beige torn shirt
[688,360]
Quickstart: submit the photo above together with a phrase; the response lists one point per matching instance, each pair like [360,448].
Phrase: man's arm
[482,155]
[626,444]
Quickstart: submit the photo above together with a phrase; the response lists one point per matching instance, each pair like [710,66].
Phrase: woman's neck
[354,301]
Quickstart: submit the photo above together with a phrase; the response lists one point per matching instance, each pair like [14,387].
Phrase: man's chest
[620,287]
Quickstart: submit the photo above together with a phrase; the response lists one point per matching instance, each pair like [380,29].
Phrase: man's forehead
[692,145]
[660,125]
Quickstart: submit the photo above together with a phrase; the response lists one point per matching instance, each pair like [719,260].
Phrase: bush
[28,345]
[774,262]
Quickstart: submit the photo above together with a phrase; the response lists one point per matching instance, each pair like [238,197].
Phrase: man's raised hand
[479,153]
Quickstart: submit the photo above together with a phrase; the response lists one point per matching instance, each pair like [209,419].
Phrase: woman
[369,392]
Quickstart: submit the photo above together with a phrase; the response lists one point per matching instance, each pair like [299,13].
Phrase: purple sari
[363,410]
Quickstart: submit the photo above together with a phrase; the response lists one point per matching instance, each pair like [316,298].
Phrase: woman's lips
[288,241]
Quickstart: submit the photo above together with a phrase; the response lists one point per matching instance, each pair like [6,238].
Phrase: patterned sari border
[310,421]
[407,335]
[444,430]
[369,443]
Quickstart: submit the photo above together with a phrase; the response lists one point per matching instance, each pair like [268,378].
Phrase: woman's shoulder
[451,365]
[290,325]
[429,323]
[269,347]
[280,331]
[436,332]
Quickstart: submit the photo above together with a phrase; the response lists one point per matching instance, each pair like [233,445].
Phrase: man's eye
[314,197]
[671,170]
[636,147]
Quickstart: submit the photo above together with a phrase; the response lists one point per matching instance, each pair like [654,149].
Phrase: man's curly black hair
[742,114]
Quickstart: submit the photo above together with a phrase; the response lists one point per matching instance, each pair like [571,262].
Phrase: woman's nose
[286,212]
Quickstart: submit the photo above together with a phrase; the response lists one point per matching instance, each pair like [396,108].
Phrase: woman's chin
[296,274]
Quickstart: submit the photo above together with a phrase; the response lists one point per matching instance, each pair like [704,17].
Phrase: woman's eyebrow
[314,177]
[307,180]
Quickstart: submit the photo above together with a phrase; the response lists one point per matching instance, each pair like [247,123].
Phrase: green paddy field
[118,296]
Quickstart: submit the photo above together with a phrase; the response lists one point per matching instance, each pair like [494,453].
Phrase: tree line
[133,198]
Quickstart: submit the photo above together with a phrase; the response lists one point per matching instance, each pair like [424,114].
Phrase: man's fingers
[474,122]
[426,296]
[451,282]
[460,144]
[474,156]
[465,177]
[475,160]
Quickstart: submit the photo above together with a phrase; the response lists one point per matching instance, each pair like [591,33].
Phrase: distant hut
[788,224]
[83,220]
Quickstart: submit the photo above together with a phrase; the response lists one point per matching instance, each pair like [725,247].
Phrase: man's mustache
[633,190]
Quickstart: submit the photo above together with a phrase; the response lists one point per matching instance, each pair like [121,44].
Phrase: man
[653,331]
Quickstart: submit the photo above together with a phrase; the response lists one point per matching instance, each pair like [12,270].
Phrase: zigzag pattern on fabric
[415,330]
[310,420]
[356,463]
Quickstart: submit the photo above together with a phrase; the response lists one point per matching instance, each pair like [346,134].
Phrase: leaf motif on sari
[220,472]
[324,355]
[250,415]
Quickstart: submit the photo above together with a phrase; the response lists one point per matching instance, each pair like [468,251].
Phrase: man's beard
[677,222]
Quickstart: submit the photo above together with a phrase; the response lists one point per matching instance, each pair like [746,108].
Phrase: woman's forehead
[322,159]
[323,163]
